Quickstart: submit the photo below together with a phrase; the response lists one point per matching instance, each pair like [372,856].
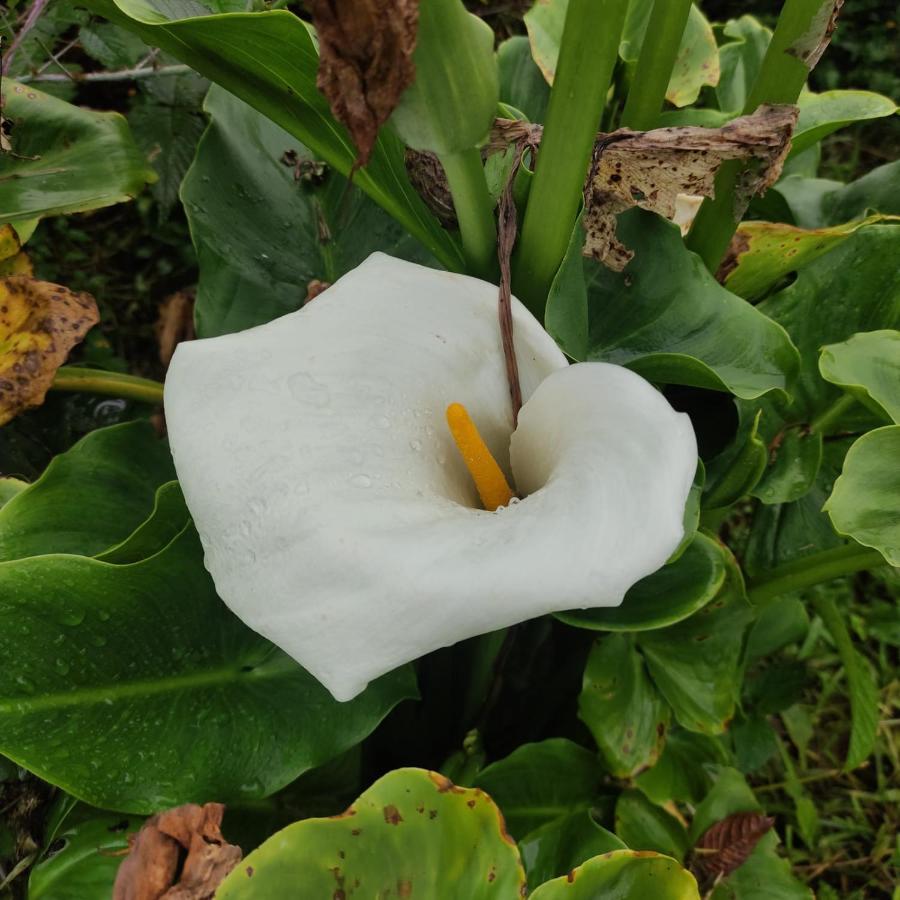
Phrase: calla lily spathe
[337,517]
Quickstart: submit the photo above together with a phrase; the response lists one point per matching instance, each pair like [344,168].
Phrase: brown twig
[506,239]
[30,20]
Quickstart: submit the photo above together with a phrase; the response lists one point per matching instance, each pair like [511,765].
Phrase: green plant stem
[474,210]
[587,55]
[781,78]
[828,417]
[655,64]
[114,384]
[814,569]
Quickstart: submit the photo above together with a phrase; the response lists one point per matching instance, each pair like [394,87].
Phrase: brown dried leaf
[650,169]
[174,324]
[810,46]
[430,181]
[179,854]
[315,287]
[40,322]
[731,841]
[365,61]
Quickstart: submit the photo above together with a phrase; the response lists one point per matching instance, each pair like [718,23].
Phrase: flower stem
[655,64]
[474,210]
[809,570]
[115,384]
[802,26]
[828,417]
[587,55]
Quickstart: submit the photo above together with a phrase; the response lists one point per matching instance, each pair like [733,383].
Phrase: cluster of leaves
[598,735]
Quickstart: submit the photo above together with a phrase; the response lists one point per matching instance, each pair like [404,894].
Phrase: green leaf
[89,498]
[737,469]
[671,594]
[544,22]
[644,826]
[559,846]
[764,876]
[868,366]
[451,104]
[67,158]
[794,464]
[847,290]
[133,687]
[412,833]
[778,624]
[696,663]
[822,114]
[9,487]
[697,62]
[754,742]
[772,250]
[540,783]
[626,874]
[111,46]
[683,773]
[729,794]
[667,318]
[269,60]
[740,61]
[84,860]
[877,190]
[566,313]
[521,83]
[621,708]
[239,191]
[865,502]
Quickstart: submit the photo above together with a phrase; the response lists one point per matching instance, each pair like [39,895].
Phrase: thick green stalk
[833,414]
[474,210]
[655,64]
[801,33]
[813,569]
[98,381]
[587,56]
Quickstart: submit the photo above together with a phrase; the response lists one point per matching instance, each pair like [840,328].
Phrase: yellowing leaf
[20,264]
[40,322]
[9,242]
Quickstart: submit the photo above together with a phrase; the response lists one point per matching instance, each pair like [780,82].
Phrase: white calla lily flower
[336,513]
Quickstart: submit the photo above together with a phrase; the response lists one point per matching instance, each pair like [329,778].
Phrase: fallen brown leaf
[315,287]
[179,854]
[174,324]
[727,844]
[651,169]
[40,322]
[365,61]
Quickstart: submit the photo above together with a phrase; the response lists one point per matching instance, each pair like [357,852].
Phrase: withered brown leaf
[651,169]
[179,854]
[40,322]
[365,61]
[731,841]
[174,324]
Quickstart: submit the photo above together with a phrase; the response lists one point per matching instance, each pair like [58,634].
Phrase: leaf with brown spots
[365,61]
[40,322]
[651,169]
[179,854]
[726,845]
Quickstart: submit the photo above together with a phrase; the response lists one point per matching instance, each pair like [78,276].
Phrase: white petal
[337,518]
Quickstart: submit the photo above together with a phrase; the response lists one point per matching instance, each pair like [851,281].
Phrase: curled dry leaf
[177,855]
[365,61]
[727,844]
[430,181]
[315,287]
[651,169]
[40,322]
[174,324]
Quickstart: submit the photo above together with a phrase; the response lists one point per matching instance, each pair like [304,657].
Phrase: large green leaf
[541,783]
[133,687]
[83,858]
[671,594]
[852,288]
[622,708]
[262,235]
[740,61]
[645,826]
[868,366]
[735,471]
[89,498]
[769,251]
[696,663]
[878,189]
[667,318]
[865,502]
[269,60]
[794,464]
[683,771]
[412,833]
[521,83]
[822,114]
[623,875]
[67,158]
